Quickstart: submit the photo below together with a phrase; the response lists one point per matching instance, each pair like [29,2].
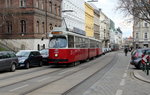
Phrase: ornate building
[25,24]
[141,35]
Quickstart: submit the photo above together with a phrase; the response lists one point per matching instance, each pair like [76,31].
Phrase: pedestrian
[126,51]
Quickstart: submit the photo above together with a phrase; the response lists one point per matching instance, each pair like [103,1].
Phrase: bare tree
[137,8]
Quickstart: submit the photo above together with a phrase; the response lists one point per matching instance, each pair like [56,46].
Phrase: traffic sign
[145,59]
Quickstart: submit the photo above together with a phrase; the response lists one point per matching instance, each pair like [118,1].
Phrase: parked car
[136,57]
[29,58]
[146,54]
[8,61]
[45,54]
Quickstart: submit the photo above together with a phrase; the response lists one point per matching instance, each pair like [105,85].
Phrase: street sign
[145,59]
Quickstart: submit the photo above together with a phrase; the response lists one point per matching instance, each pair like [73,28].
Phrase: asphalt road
[110,74]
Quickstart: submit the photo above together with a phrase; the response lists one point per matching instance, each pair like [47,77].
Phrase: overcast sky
[109,8]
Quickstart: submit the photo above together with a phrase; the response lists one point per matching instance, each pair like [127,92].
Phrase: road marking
[122,82]
[19,88]
[44,79]
[125,75]
[119,92]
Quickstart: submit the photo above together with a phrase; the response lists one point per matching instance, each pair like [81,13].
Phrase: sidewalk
[141,75]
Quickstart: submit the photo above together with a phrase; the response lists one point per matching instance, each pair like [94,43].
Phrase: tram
[66,47]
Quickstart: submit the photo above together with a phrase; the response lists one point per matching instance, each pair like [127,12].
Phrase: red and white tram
[67,47]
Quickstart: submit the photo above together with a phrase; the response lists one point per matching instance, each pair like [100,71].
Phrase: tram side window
[83,43]
[77,43]
[70,41]
[86,43]
[92,44]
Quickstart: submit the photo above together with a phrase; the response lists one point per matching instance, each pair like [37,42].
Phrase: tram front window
[58,43]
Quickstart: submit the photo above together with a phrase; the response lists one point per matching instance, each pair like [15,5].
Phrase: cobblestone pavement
[119,80]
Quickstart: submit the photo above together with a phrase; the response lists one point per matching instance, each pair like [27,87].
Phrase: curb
[138,76]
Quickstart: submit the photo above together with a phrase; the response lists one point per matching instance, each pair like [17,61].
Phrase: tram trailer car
[66,47]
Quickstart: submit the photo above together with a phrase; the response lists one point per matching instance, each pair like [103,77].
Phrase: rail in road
[51,81]
[85,84]
[67,83]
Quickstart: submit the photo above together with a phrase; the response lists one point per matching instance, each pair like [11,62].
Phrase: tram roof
[64,32]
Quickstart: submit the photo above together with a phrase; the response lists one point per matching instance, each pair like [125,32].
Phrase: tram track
[22,73]
[101,72]
[67,75]
[5,84]
[57,75]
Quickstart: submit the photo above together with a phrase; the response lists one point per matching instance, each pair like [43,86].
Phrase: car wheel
[139,65]
[40,64]
[13,68]
[27,65]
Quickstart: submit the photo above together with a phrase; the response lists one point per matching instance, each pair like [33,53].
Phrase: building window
[23,26]
[22,3]
[8,3]
[145,35]
[37,3]
[50,6]
[146,24]
[55,9]
[37,26]
[137,35]
[59,11]
[43,27]
[9,27]
[50,26]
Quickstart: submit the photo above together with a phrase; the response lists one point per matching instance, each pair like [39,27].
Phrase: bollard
[147,68]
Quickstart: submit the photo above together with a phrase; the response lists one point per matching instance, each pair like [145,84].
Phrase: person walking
[126,51]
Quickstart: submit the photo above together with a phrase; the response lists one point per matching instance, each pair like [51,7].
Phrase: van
[8,61]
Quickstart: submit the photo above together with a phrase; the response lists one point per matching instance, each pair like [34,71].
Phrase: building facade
[73,14]
[27,23]
[141,34]
[112,34]
[96,24]
[104,29]
[89,20]
[118,37]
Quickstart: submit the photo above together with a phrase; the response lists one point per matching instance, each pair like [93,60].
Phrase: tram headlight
[56,55]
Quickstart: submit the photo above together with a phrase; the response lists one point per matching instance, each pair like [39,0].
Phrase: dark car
[136,57]
[45,54]
[8,61]
[29,58]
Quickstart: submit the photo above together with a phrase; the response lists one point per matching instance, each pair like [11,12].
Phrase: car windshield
[58,43]
[23,54]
